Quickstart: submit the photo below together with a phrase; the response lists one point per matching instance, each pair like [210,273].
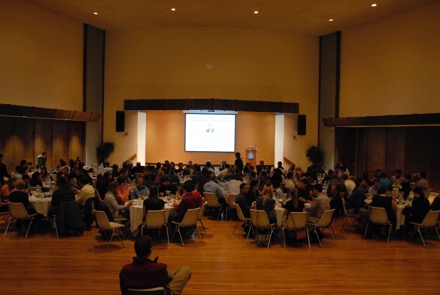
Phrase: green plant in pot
[104,150]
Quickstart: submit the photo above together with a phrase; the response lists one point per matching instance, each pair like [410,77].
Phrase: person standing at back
[41,160]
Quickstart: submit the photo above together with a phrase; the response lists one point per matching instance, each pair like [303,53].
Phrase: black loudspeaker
[301,124]
[120,121]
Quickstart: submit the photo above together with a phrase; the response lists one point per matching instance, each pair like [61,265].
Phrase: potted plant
[104,150]
[315,155]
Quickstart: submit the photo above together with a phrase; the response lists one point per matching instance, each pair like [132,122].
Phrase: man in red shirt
[191,199]
[144,273]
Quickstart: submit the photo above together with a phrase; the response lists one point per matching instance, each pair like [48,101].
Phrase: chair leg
[308,236]
[270,237]
[284,237]
[366,228]
[29,226]
[199,232]
[168,235]
[317,236]
[438,236]
[7,227]
[389,232]
[180,234]
[331,230]
[249,231]
[235,228]
[421,236]
[345,222]
[201,222]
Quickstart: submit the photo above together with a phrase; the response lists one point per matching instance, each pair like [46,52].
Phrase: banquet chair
[149,291]
[108,229]
[378,216]
[296,221]
[200,217]
[156,219]
[18,212]
[324,222]
[430,221]
[230,206]
[212,202]
[189,220]
[241,218]
[349,217]
[260,221]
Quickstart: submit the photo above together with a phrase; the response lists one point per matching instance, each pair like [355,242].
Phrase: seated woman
[418,210]
[36,179]
[45,176]
[19,195]
[7,188]
[153,203]
[294,204]
[266,203]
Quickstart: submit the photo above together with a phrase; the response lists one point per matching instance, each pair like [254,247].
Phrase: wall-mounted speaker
[301,124]
[120,121]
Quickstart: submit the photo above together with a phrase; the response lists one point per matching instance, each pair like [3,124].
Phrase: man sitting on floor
[144,273]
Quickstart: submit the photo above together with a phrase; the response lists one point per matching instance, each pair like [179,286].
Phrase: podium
[251,155]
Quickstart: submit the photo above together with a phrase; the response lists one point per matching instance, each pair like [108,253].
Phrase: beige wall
[208,63]
[40,57]
[392,66]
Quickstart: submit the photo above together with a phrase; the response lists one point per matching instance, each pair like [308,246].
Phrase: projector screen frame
[217,114]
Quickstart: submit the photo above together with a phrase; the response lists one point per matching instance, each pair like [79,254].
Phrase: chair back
[102,220]
[231,200]
[378,215]
[150,291]
[211,199]
[431,219]
[326,218]
[18,211]
[202,210]
[296,220]
[259,218]
[155,218]
[239,212]
[191,217]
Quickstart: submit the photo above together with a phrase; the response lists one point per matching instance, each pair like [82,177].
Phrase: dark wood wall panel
[25,139]
[24,130]
[417,147]
[43,137]
[411,149]
[376,148]
[395,150]
[60,140]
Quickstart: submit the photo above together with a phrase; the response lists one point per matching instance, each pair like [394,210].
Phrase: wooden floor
[223,264]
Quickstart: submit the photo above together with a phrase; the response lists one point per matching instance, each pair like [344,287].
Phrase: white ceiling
[305,16]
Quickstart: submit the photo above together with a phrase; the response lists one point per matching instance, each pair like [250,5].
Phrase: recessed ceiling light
[373,5]
[95,13]
[330,20]
[173,9]
[256,12]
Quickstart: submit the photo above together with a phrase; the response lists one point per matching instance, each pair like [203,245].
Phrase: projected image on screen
[209,132]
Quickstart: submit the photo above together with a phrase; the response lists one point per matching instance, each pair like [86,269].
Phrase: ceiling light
[330,20]
[256,12]
[373,5]
[173,9]
[95,13]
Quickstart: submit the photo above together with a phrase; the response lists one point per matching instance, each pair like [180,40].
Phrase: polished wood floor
[223,264]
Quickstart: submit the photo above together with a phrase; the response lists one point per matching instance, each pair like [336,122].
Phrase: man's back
[143,273]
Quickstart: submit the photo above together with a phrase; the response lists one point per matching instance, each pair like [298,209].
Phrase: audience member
[144,273]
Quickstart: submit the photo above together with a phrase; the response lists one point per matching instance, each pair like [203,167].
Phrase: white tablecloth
[41,205]
[137,213]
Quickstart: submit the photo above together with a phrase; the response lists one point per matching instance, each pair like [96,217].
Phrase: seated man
[166,186]
[418,210]
[140,190]
[241,200]
[86,191]
[320,203]
[144,273]
[113,205]
[191,199]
